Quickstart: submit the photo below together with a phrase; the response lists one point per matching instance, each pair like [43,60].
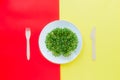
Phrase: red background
[15,16]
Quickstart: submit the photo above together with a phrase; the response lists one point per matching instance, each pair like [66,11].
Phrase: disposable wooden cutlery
[93,38]
[28,34]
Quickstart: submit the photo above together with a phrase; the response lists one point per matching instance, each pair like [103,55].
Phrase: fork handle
[28,50]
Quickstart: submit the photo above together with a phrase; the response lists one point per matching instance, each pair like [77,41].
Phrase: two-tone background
[16,15]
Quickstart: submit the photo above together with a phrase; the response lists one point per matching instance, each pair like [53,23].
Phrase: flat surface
[15,16]
[105,15]
[48,54]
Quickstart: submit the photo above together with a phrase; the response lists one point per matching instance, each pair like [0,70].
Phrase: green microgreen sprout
[61,41]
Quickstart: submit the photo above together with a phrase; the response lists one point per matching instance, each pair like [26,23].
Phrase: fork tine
[27,29]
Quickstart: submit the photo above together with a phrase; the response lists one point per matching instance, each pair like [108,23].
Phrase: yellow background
[105,15]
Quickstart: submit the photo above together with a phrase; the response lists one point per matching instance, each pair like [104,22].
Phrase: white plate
[47,54]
